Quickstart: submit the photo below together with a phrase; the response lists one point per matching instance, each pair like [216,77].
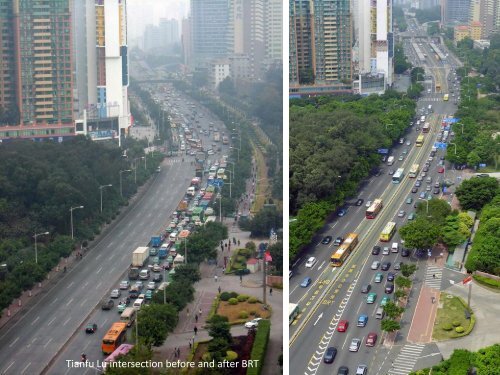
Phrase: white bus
[293,311]
[413,171]
[398,176]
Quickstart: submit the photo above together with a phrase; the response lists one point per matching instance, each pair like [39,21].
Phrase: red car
[342,327]
[440,170]
[371,339]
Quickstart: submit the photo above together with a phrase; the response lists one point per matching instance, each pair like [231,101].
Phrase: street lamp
[219,196]
[145,161]
[454,144]
[121,189]
[231,147]
[71,212]
[239,134]
[100,188]
[36,249]
[230,182]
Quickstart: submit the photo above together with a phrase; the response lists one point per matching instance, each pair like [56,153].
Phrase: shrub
[241,259]
[456,323]
[243,297]
[231,356]
[252,300]
[459,329]
[224,296]
[233,301]
[250,245]
[243,315]
[447,327]
[259,347]
[206,357]
[253,312]
[247,253]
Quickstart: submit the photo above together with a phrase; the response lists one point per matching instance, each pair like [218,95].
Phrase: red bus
[374,209]
[426,128]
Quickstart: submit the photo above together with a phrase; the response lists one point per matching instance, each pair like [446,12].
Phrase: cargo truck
[140,256]
[163,251]
[133,273]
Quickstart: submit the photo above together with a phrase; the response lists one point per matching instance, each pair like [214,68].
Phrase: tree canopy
[474,193]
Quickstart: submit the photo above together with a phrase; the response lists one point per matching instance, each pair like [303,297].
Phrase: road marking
[13,342]
[319,317]
[321,266]
[70,285]
[36,320]
[48,342]
[25,368]
[52,321]
[69,302]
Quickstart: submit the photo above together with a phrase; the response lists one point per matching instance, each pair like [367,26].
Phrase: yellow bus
[446,97]
[420,141]
[388,232]
[340,255]
[413,171]
[115,336]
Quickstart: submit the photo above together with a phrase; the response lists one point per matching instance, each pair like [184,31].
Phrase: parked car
[406,252]
[397,266]
[359,202]
[253,323]
[361,370]
[343,370]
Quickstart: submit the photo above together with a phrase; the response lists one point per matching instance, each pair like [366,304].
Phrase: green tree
[276,252]
[400,293]
[392,310]
[474,193]
[389,325]
[420,234]
[218,328]
[218,347]
[408,269]
[438,211]
[189,272]
[151,331]
[473,159]
[403,282]
[453,233]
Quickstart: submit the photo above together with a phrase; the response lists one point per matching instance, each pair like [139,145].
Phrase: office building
[102,71]
[273,32]
[455,11]
[320,46]
[37,69]
[169,30]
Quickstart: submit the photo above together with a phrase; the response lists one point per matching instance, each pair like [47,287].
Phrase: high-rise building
[210,38]
[273,31]
[320,44]
[169,31]
[102,66]
[36,55]
[485,12]
[455,11]
[187,48]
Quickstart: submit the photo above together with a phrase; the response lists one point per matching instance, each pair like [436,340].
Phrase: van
[395,247]
[144,274]
[380,313]
[138,303]
[172,237]
[128,316]
[191,191]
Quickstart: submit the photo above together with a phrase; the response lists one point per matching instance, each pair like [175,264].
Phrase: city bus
[388,232]
[115,336]
[413,171]
[445,97]
[426,128]
[123,349]
[398,176]
[420,141]
[293,311]
[374,209]
[340,255]
[220,173]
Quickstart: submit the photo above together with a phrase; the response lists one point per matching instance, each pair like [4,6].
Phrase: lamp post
[36,249]
[185,251]
[230,182]
[145,161]
[239,135]
[121,188]
[236,148]
[71,214]
[100,188]
[219,196]
[454,144]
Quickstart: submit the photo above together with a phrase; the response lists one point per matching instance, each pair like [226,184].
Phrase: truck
[216,136]
[156,241]
[140,256]
[163,251]
[390,160]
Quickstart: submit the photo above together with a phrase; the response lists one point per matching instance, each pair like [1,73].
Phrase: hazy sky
[143,12]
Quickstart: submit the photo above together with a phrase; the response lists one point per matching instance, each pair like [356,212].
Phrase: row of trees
[429,14]
[333,147]
[9,115]
[401,63]
[399,18]
[40,182]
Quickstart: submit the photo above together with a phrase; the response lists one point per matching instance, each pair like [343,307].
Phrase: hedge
[487,281]
[260,346]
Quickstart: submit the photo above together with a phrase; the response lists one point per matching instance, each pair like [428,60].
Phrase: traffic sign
[218,182]
[383,151]
[451,120]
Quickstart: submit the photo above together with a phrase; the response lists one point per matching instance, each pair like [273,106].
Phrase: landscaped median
[454,319]
[239,308]
[259,347]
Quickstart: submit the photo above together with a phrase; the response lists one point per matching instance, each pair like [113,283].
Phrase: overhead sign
[383,151]
[451,120]
[440,145]
[467,280]
[218,182]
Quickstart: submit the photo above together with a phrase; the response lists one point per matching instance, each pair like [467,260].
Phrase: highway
[334,293]
[49,335]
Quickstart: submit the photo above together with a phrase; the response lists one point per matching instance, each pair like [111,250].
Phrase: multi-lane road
[49,335]
[335,293]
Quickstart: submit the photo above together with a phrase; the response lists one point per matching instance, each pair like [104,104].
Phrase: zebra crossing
[433,277]
[172,161]
[426,99]
[406,359]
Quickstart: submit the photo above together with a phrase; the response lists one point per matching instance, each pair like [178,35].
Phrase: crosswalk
[172,161]
[425,99]
[433,277]
[406,359]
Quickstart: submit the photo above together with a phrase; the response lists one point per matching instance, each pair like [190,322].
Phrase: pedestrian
[435,259]
[241,278]
[199,312]
[238,242]
[270,291]
[190,345]
[196,329]
[178,352]
[215,278]
[64,269]
[219,289]
[234,240]
[196,317]
[187,312]
[433,275]
[175,352]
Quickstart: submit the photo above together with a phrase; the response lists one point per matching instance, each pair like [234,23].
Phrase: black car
[391,276]
[366,288]
[343,371]
[107,304]
[359,202]
[338,241]
[389,288]
[157,277]
[378,173]
[330,354]
[385,266]
[326,240]
[91,328]
[436,191]
[414,190]
[376,250]
[405,252]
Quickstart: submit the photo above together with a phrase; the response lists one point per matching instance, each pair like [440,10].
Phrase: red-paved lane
[425,314]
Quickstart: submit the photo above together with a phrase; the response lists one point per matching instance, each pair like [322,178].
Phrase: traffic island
[239,308]
[454,319]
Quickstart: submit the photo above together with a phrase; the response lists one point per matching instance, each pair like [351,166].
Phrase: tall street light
[232,147]
[100,188]
[71,211]
[36,249]
[145,161]
[121,188]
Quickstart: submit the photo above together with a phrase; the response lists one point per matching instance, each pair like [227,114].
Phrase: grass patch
[232,312]
[490,283]
[449,316]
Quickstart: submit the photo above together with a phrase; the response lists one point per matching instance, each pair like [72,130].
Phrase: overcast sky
[143,12]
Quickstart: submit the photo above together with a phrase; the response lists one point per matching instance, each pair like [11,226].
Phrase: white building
[219,71]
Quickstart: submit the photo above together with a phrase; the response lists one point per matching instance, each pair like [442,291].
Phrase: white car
[124,285]
[115,293]
[156,268]
[311,262]
[151,285]
[375,265]
[368,204]
[253,323]
[386,251]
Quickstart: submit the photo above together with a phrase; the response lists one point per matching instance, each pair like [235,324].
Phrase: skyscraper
[36,61]
[455,11]
[320,43]
[273,31]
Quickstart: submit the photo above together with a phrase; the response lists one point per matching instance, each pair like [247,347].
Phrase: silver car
[375,265]
[355,343]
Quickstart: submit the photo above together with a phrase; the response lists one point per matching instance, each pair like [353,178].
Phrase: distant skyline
[144,12]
